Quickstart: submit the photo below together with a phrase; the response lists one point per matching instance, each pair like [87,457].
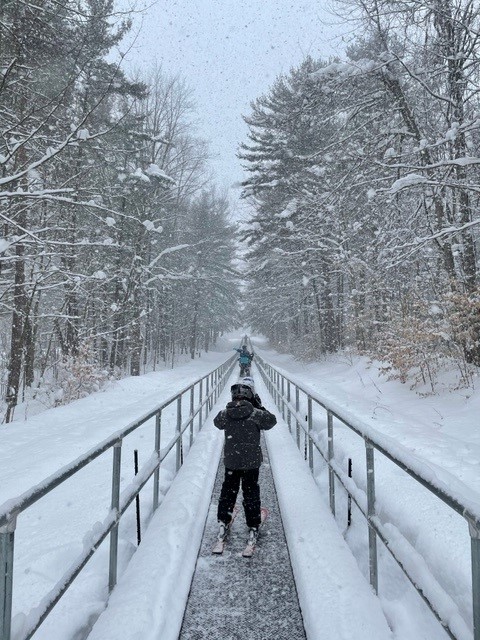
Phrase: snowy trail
[442,429]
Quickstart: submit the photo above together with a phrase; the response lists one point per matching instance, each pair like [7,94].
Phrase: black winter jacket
[242,424]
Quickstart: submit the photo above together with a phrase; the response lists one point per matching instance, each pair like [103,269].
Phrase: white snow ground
[440,429]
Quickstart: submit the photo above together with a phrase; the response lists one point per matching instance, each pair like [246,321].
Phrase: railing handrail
[369,433]
[27,498]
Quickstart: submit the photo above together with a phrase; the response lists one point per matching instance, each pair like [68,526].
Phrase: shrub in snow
[412,352]
[465,323]
[79,376]
[418,344]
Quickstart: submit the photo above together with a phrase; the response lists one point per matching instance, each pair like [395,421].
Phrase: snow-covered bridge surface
[336,600]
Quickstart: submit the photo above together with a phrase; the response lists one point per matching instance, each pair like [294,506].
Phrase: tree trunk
[135,339]
[193,331]
[17,333]
[29,347]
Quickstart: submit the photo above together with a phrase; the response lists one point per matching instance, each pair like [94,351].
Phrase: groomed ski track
[193,595]
[241,596]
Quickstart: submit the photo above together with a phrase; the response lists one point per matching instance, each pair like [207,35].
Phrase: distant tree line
[364,182]
[116,252]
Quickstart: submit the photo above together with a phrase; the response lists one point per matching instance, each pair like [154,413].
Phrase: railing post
[180,437]
[117,464]
[156,474]
[309,432]
[372,536]
[212,392]
[297,410]
[7,540]
[474,531]
[331,474]
[289,413]
[200,400]
[349,499]
[283,398]
[207,396]
[192,401]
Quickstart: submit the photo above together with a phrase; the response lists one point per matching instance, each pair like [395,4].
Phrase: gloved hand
[257,403]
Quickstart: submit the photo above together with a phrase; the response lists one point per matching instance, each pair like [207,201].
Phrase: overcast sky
[230,52]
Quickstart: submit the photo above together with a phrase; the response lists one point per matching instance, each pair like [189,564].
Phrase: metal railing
[286,394]
[200,397]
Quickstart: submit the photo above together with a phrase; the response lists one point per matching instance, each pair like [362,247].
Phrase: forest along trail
[235,597]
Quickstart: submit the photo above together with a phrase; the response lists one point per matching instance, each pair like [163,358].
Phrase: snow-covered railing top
[16,505]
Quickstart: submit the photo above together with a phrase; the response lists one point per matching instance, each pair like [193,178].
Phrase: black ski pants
[244,370]
[251,495]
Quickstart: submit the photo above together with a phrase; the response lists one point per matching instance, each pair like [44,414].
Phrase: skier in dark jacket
[242,420]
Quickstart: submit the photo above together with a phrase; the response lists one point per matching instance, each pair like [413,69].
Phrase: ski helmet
[241,390]
[248,380]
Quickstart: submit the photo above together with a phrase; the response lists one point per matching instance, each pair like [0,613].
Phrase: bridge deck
[233,598]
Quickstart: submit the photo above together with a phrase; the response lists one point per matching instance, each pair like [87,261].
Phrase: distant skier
[242,420]
[245,360]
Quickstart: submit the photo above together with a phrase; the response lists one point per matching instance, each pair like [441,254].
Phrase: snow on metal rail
[450,490]
[206,389]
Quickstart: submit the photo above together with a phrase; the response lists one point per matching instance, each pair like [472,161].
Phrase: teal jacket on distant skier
[245,356]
